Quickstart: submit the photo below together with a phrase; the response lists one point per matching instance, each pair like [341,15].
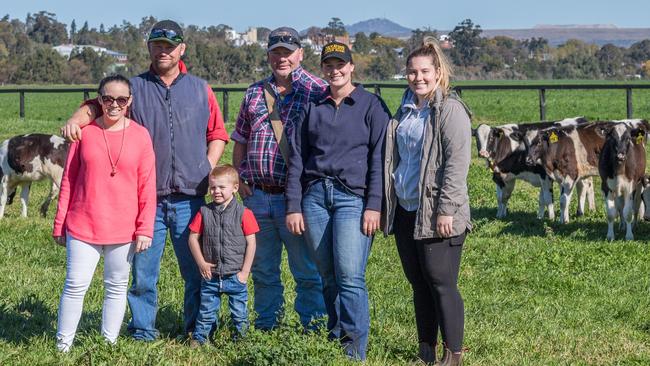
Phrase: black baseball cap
[167,31]
[284,37]
[336,50]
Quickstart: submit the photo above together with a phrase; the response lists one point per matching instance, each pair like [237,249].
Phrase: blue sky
[442,15]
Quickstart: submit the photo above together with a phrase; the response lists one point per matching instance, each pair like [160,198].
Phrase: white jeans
[81,262]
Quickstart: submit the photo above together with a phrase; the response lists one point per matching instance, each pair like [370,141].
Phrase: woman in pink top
[106,206]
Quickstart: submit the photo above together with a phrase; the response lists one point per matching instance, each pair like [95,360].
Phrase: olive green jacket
[446,154]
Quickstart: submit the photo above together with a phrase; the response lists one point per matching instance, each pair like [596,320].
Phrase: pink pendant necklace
[119,154]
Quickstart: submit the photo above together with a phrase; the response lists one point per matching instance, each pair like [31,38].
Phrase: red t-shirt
[248,223]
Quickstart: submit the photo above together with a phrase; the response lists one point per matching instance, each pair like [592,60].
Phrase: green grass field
[536,292]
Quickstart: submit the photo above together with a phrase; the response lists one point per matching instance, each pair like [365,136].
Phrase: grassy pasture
[536,292]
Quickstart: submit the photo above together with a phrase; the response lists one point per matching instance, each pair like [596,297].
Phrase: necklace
[108,149]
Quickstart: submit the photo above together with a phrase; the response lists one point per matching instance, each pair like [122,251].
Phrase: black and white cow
[570,156]
[622,168]
[28,158]
[505,152]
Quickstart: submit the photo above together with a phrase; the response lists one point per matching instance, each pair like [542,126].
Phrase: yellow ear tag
[639,139]
[553,138]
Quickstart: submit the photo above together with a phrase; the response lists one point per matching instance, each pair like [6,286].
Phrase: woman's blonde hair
[431,48]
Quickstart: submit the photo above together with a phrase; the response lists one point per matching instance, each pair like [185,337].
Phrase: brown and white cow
[505,152]
[622,168]
[569,155]
[28,158]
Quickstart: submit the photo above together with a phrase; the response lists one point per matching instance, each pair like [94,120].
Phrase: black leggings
[431,266]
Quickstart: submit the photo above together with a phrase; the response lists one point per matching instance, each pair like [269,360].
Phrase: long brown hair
[431,48]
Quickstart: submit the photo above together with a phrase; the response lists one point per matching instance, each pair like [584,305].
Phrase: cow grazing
[505,153]
[569,155]
[622,168]
[28,158]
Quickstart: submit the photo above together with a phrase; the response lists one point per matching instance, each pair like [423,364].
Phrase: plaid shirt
[263,163]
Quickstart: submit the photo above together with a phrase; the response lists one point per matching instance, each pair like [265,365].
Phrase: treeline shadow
[526,224]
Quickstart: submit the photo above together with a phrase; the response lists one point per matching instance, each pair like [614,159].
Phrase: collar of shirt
[409,101]
[350,99]
[296,77]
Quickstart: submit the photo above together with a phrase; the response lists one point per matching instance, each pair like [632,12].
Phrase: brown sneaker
[195,344]
[427,353]
[450,359]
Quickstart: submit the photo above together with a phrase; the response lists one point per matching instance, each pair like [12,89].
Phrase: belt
[269,189]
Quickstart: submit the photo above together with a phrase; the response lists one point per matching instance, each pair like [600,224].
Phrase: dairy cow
[28,158]
[505,152]
[622,167]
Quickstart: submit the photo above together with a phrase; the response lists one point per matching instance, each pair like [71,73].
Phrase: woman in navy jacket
[334,192]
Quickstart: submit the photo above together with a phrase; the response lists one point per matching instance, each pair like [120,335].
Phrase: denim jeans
[173,213]
[211,291]
[270,212]
[333,218]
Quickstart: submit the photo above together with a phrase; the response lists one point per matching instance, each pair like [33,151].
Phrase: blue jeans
[270,212]
[333,218]
[173,213]
[211,291]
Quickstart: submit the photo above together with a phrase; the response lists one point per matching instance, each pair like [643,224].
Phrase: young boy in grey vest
[222,241]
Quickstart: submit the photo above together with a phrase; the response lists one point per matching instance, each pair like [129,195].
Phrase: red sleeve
[216,128]
[196,226]
[248,223]
[94,103]
[66,191]
[147,199]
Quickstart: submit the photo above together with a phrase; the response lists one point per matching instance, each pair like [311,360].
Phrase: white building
[66,50]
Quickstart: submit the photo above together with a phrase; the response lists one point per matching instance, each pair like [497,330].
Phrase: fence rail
[377,87]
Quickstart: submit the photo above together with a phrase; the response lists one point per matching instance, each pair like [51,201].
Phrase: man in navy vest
[183,118]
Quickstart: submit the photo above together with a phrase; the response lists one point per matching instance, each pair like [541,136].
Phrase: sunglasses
[283,39]
[107,100]
[166,33]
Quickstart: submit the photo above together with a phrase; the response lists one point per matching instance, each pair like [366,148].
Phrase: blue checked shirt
[263,163]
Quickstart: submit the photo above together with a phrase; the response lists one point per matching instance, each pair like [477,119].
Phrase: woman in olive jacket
[426,202]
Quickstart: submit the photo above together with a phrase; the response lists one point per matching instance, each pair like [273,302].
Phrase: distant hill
[382,26]
[556,35]
[598,34]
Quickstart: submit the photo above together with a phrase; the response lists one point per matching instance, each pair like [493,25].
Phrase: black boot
[427,353]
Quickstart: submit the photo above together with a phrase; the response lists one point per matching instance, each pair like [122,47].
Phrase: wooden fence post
[542,104]
[22,104]
[225,106]
[628,98]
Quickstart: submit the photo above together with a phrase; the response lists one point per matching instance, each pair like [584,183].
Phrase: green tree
[640,51]
[43,66]
[98,64]
[43,27]
[335,27]
[362,43]
[466,37]
[73,30]
[611,60]
[384,65]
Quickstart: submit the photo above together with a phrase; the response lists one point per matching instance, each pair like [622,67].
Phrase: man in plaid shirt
[263,172]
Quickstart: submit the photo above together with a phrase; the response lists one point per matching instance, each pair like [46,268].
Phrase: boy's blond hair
[222,170]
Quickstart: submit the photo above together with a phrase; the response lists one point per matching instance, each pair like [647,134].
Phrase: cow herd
[570,152]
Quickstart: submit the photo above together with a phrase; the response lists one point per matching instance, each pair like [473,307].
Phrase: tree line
[27,56]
